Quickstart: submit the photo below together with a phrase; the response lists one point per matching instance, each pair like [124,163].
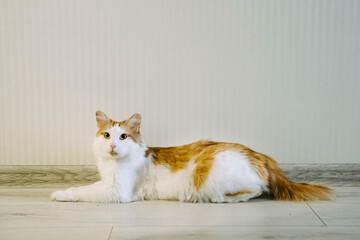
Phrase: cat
[203,171]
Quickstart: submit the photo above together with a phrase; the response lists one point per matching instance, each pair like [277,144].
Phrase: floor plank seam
[316,214]
[110,233]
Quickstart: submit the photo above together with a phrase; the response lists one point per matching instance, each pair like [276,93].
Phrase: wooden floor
[29,214]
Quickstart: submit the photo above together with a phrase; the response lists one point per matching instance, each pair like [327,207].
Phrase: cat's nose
[112,146]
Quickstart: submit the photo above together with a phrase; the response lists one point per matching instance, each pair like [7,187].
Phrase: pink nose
[112,146]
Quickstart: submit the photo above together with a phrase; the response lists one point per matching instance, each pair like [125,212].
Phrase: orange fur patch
[177,158]
[238,193]
[103,126]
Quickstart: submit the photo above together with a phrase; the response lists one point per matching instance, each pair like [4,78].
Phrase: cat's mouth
[112,153]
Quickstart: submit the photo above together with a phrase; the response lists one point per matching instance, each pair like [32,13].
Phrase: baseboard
[47,176]
[51,176]
[335,174]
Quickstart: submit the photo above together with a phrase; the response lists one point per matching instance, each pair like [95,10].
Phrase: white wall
[279,76]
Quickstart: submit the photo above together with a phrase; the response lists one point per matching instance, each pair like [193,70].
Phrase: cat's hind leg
[243,195]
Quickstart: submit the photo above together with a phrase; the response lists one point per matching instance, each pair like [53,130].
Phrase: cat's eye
[106,135]
[123,136]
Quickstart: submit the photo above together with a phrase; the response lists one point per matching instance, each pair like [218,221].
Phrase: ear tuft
[101,118]
[134,122]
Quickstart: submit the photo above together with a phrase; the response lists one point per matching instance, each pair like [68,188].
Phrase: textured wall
[279,76]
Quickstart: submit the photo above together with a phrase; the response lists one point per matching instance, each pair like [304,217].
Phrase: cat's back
[204,156]
[195,170]
[176,157]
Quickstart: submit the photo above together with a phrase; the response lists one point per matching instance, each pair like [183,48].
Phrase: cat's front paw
[64,196]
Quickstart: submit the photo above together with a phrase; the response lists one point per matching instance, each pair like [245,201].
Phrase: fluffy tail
[282,188]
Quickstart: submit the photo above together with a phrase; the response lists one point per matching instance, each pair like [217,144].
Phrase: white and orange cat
[203,171]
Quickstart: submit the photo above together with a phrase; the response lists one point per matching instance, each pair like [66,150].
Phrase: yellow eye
[123,136]
[106,135]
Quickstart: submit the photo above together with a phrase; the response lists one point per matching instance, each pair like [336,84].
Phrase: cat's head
[117,139]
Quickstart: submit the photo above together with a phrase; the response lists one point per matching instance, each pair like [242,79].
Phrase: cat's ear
[134,122]
[101,118]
